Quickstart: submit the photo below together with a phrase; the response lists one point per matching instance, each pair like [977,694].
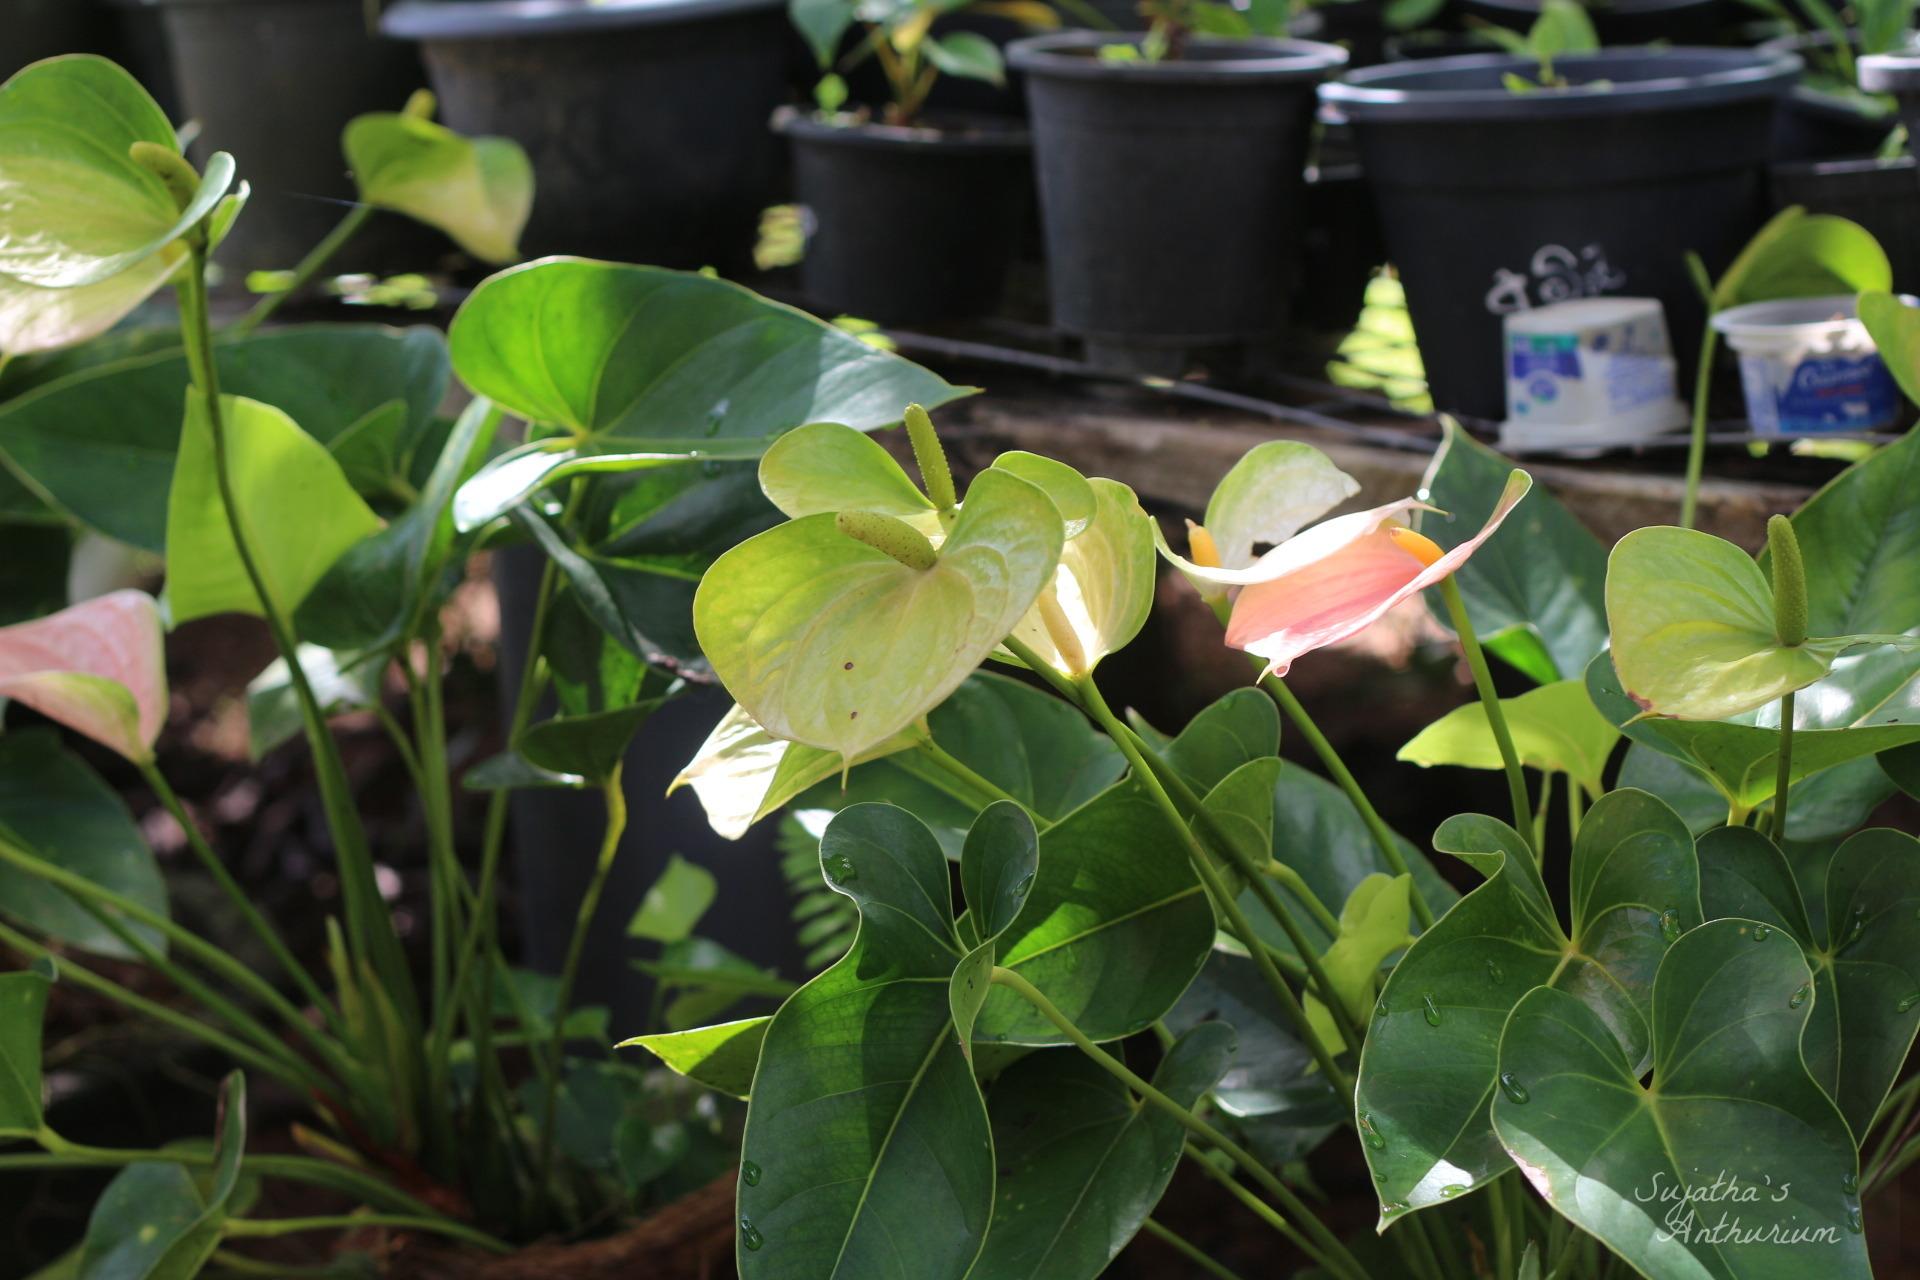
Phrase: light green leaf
[299,512]
[1373,925]
[1428,1067]
[645,354]
[966,54]
[1275,490]
[1102,591]
[680,895]
[825,466]
[1554,727]
[1081,1164]
[867,1150]
[477,190]
[807,627]
[513,477]
[79,209]
[159,1221]
[720,1057]
[1729,1101]
[23,1007]
[1802,255]
[1536,596]
[100,443]
[1071,492]
[1895,329]
[53,806]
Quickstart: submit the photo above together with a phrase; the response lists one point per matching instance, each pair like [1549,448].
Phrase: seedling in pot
[899,35]
[1562,27]
[1170,23]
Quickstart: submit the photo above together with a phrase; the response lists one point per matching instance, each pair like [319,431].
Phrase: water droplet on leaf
[1799,997]
[1850,1182]
[1494,974]
[1373,1136]
[1854,1222]
[1511,1086]
[1907,1002]
[750,1235]
[1453,1189]
[1761,933]
[1432,1010]
[841,870]
[1670,925]
[750,1173]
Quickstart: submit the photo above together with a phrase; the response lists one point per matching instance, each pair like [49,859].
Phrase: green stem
[952,776]
[310,266]
[262,1228]
[1697,446]
[1188,1250]
[1260,1208]
[1325,1239]
[193,1028]
[1217,889]
[1343,777]
[1783,771]
[616,801]
[1297,886]
[1490,702]
[1576,807]
[1503,1227]
[237,897]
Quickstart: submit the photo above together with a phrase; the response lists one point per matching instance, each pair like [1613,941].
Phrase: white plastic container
[1808,366]
[1589,373]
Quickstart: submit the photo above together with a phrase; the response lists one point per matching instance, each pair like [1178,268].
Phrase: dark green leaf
[997,867]
[23,1007]
[590,745]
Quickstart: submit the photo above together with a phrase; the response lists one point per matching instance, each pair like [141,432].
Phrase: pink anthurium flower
[97,667]
[1339,577]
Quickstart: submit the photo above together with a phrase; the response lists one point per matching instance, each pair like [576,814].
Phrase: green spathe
[479,191]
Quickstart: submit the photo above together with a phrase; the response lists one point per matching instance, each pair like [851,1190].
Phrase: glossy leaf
[98,667]
[641,353]
[80,209]
[160,1222]
[867,1150]
[479,191]
[807,627]
[1740,757]
[1535,596]
[1114,928]
[101,442]
[1865,953]
[720,1057]
[1236,728]
[680,895]
[1428,1068]
[34,320]
[57,809]
[23,1007]
[825,466]
[1072,493]
[1273,1078]
[1803,255]
[300,513]
[1102,590]
[997,867]
[1554,727]
[1895,329]
[646,613]
[1729,1101]
[590,746]
[513,477]
[1082,1164]
[1373,926]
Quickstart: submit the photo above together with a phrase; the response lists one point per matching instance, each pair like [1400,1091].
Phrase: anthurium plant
[308,476]
[901,36]
[1088,948]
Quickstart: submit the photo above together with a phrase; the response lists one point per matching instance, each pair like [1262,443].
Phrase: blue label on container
[1557,354]
[1837,393]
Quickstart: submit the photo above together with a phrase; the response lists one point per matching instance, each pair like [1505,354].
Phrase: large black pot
[274,82]
[1881,195]
[1617,22]
[908,225]
[646,120]
[1817,123]
[1494,201]
[1171,191]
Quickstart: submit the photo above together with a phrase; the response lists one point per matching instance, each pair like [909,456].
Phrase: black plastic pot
[1899,75]
[1620,22]
[1819,124]
[1170,191]
[1343,247]
[646,120]
[1494,201]
[274,82]
[1881,195]
[908,225]
[1358,26]
[36,29]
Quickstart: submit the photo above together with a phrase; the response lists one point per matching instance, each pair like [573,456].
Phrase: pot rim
[1064,55]
[1634,8]
[501,19]
[1391,91]
[800,125]
[1890,72]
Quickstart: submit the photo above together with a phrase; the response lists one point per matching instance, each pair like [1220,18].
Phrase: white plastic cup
[1808,367]
[1588,373]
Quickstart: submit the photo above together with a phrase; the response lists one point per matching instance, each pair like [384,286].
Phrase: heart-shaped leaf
[23,1008]
[160,1222]
[721,1057]
[1803,255]
[1082,1164]
[101,442]
[477,190]
[825,466]
[867,1150]
[79,208]
[807,627]
[1865,954]
[1732,1163]
[676,358]
[1276,489]
[1554,727]
[1428,1068]
[1535,597]
[1102,591]
[1234,729]
[1071,492]
[53,806]
[1373,925]
[299,512]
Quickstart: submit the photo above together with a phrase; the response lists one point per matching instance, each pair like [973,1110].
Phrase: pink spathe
[97,667]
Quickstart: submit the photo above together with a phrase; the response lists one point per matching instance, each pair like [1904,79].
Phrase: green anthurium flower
[1695,632]
[1275,490]
[1103,590]
[479,191]
[827,639]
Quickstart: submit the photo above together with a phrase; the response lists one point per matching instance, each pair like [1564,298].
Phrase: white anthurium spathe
[1275,490]
[1102,590]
